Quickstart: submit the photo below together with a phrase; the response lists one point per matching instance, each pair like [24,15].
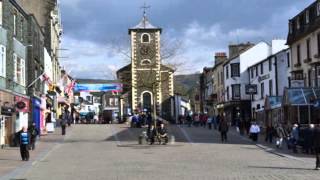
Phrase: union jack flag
[70,87]
[45,78]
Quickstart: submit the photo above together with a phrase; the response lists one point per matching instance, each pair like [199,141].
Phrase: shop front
[300,106]
[236,111]
[7,118]
[274,111]
[36,111]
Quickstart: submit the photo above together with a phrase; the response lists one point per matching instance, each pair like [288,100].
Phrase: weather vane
[145,8]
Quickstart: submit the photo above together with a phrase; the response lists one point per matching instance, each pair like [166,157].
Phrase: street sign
[251,89]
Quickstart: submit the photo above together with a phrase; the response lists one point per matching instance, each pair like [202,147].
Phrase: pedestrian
[269,134]
[196,120]
[163,134]
[210,122]
[308,139]
[63,122]
[223,128]
[151,134]
[254,131]
[24,144]
[281,135]
[33,131]
[294,139]
[215,121]
[189,120]
[316,146]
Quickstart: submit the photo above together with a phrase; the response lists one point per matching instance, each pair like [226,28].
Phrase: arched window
[145,38]
[146,62]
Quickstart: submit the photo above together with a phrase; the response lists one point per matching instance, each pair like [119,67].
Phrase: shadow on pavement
[125,135]
[283,168]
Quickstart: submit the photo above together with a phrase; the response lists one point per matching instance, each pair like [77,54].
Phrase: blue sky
[204,27]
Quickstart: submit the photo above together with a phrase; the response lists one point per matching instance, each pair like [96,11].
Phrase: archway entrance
[147,101]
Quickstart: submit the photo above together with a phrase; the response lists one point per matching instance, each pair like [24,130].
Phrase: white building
[271,76]
[237,106]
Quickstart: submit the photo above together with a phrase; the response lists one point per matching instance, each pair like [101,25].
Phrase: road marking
[186,135]
[115,135]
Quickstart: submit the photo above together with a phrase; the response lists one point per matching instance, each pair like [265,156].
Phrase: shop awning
[273,102]
[301,96]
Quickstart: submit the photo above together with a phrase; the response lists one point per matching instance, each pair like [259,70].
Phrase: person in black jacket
[163,133]
[316,146]
[223,128]
[33,131]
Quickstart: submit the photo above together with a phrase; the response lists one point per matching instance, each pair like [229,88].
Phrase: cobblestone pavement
[99,152]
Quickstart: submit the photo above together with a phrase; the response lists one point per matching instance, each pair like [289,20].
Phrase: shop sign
[22,104]
[264,77]
[7,111]
[251,89]
[297,83]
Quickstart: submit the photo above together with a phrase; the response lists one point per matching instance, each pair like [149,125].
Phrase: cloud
[203,28]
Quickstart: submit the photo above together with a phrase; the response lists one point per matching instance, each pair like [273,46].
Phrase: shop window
[236,91]
[298,22]
[318,42]
[298,55]
[227,72]
[270,88]
[270,63]
[235,70]
[19,70]
[262,90]
[288,59]
[2,61]
[308,49]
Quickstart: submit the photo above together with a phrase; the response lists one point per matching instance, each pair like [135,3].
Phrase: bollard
[172,139]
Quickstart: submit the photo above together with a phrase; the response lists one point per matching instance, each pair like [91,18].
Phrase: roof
[144,24]
[128,68]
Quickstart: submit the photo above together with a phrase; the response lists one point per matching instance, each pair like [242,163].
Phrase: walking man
[223,128]
[316,145]
[254,131]
[24,143]
[33,131]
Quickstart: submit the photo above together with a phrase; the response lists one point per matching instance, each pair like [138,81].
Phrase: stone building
[13,60]
[147,82]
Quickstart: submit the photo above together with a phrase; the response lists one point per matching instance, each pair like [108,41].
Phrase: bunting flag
[70,87]
[45,78]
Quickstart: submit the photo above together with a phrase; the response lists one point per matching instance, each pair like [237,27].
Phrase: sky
[95,30]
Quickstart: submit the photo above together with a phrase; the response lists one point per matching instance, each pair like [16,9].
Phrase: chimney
[236,49]
[219,57]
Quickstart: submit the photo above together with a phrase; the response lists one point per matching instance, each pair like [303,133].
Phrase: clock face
[144,50]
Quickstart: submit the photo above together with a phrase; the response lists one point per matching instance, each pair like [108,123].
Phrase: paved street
[111,152]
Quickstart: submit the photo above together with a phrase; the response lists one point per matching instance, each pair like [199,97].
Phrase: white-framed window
[19,70]
[1,13]
[14,23]
[146,62]
[318,9]
[145,38]
[307,17]
[2,61]
[116,101]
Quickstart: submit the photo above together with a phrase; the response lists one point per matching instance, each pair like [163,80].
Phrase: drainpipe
[276,74]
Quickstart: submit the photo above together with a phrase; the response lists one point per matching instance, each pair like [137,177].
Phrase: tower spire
[145,8]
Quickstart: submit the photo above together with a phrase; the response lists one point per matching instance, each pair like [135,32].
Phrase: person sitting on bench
[163,134]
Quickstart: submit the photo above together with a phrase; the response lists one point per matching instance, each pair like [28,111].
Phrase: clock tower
[151,83]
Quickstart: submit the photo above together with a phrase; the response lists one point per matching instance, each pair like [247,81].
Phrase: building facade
[304,41]
[14,102]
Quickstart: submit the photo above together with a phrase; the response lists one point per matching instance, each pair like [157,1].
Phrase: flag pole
[35,80]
